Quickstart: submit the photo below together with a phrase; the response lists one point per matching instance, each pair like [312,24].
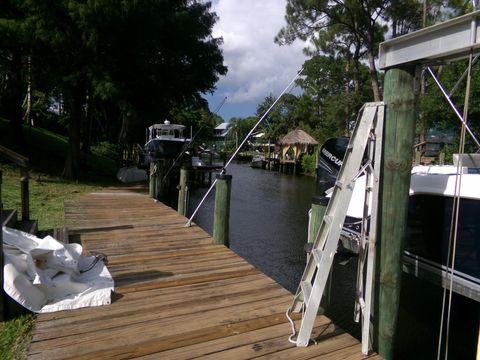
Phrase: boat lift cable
[452,105]
[185,147]
[460,80]
[189,222]
[454,221]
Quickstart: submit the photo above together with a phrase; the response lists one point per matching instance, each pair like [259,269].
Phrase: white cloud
[256,65]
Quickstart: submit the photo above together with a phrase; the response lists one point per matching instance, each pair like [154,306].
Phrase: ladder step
[306,290]
[317,256]
[339,184]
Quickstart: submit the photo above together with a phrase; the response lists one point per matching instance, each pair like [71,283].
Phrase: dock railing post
[182,192]
[25,194]
[221,218]
[319,205]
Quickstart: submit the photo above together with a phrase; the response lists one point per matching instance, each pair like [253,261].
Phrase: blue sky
[256,65]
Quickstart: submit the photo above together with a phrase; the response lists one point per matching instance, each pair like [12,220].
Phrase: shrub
[309,163]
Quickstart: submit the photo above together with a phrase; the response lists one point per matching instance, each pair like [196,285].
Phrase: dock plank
[177,295]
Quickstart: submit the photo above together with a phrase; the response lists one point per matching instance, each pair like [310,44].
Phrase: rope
[94,262]
[292,324]
[189,222]
[452,244]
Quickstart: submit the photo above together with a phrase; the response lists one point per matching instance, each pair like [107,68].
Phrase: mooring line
[189,222]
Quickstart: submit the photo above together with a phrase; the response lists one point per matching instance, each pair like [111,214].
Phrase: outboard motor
[330,160]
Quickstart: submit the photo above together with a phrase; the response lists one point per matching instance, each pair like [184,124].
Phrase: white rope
[452,244]
[189,222]
[292,324]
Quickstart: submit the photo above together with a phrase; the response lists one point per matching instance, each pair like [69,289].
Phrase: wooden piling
[399,130]
[160,183]
[156,184]
[319,205]
[221,219]
[153,179]
[182,192]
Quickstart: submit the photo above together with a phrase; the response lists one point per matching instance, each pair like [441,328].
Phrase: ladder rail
[329,233]
[325,226]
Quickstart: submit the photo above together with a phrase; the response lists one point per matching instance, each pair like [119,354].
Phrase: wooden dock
[177,296]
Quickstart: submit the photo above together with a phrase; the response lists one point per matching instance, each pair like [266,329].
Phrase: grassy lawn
[15,336]
[47,196]
[48,191]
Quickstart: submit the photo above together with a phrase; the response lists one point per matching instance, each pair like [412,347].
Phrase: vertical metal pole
[221,220]
[182,192]
[399,130]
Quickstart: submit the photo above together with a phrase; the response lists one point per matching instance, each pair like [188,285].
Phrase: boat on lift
[432,191]
[163,141]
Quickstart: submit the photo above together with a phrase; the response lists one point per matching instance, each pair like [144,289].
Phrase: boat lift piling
[449,41]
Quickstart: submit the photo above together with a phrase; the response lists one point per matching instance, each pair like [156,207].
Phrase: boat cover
[131,174]
[44,275]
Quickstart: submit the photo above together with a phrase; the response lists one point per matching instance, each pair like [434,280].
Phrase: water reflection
[268,220]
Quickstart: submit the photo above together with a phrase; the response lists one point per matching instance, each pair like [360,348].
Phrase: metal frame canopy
[450,40]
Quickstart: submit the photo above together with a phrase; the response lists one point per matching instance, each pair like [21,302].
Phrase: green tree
[14,51]
[350,27]
[239,129]
[437,113]
[133,61]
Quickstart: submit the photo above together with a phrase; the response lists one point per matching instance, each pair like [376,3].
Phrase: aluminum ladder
[362,157]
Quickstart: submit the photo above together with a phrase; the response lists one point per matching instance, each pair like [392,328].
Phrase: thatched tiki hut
[292,146]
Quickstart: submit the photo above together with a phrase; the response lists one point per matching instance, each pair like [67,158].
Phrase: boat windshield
[428,234]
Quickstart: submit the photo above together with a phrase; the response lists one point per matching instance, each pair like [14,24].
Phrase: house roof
[298,137]
[222,126]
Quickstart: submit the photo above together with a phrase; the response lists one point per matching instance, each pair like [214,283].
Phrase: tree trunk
[122,136]
[87,126]
[12,100]
[75,104]
[374,76]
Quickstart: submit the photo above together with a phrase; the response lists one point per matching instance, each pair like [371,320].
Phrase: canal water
[268,228]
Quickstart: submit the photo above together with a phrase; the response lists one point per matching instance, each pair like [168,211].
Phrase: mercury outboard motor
[330,160]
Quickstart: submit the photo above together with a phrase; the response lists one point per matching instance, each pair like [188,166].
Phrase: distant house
[220,133]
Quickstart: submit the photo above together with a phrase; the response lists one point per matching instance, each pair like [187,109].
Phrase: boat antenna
[189,222]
